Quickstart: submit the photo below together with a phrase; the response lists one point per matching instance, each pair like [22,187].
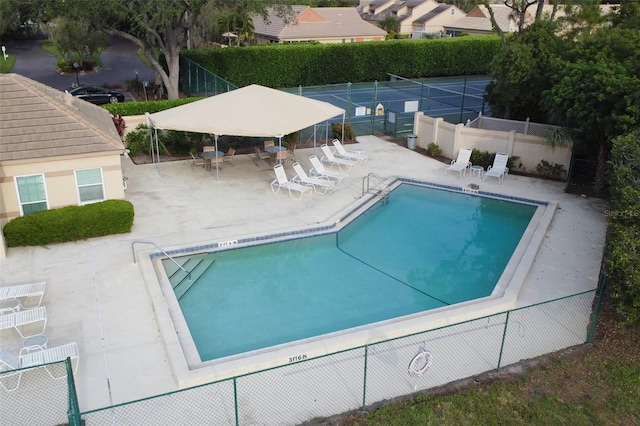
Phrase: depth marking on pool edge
[297,358]
[227,243]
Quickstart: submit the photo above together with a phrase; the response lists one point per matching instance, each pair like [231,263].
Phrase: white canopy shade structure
[254,111]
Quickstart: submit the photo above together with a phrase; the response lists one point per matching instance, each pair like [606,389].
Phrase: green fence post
[235,400]
[349,103]
[73,411]
[364,382]
[596,309]
[504,336]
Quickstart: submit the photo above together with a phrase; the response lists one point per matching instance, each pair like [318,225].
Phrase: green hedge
[310,64]
[139,108]
[623,260]
[70,223]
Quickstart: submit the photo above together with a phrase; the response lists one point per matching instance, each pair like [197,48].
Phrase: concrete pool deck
[96,294]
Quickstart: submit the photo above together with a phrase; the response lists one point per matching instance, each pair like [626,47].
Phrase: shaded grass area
[593,384]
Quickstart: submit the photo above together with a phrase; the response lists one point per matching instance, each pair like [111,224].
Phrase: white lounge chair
[319,170]
[462,163]
[341,152]
[320,184]
[334,161]
[18,320]
[23,291]
[281,181]
[34,359]
[499,168]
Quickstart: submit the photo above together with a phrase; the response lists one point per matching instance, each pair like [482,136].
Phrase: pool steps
[194,266]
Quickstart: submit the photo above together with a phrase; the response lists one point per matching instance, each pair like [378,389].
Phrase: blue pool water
[425,249]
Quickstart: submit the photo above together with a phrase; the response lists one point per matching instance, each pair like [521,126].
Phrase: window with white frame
[90,186]
[31,193]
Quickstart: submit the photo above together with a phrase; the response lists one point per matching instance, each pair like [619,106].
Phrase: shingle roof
[441,8]
[327,22]
[38,121]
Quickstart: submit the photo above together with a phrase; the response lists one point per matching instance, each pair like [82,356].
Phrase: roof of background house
[441,8]
[38,121]
[314,23]
[479,18]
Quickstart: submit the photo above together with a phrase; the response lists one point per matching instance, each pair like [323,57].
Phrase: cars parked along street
[98,95]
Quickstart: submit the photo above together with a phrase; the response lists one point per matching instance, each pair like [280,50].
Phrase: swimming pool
[426,249]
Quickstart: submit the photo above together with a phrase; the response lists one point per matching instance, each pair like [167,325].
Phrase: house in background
[478,21]
[322,24]
[415,17]
[55,151]
[433,22]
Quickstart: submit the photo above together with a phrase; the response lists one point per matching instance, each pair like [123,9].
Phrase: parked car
[98,95]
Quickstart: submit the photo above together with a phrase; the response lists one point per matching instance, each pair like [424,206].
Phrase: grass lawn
[593,384]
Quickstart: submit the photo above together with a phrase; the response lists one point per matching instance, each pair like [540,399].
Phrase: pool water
[424,249]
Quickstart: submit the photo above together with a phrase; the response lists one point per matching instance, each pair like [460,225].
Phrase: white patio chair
[341,152]
[18,320]
[281,181]
[499,168]
[335,161]
[24,291]
[460,164]
[320,184]
[319,170]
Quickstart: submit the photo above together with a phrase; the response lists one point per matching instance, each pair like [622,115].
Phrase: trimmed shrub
[70,223]
[623,259]
[309,64]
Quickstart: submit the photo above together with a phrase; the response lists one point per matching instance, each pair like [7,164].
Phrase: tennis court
[389,106]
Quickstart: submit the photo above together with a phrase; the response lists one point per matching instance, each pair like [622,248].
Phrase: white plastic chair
[18,320]
[281,181]
[341,152]
[24,291]
[320,185]
[499,168]
[319,170]
[334,161]
[460,164]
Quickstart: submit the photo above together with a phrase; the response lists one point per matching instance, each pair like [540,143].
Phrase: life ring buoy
[420,364]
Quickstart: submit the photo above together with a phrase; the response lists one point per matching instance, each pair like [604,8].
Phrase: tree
[521,72]
[76,40]
[597,91]
[159,25]
[390,24]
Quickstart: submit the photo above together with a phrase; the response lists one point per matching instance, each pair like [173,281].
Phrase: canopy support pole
[215,138]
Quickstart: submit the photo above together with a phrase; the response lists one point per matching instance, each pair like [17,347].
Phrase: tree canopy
[159,25]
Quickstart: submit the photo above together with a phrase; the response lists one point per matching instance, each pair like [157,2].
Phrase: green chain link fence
[324,386]
[370,107]
[356,378]
[31,396]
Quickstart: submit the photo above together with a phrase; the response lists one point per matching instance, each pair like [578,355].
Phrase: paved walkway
[98,296]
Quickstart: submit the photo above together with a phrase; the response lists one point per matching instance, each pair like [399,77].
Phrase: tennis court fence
[370,107]
[315,388]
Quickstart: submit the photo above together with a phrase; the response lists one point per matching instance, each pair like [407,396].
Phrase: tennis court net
[436,93]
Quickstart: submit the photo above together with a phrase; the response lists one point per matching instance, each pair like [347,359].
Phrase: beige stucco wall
[59,179]
[452,137]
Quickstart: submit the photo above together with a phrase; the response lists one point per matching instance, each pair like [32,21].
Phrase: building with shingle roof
[478,21]
[55,150]
[322,24]
[414,17]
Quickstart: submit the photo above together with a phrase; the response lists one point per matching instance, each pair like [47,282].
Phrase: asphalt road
[119,60]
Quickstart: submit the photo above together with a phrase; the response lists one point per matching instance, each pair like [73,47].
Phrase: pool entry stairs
[184,274]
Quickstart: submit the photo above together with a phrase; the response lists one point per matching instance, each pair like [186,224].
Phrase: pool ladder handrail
[163,252]
[378,183]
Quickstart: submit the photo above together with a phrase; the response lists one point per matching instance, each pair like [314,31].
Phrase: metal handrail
[378,182]
[163,252]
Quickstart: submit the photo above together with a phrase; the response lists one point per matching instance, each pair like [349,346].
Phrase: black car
[98,95]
